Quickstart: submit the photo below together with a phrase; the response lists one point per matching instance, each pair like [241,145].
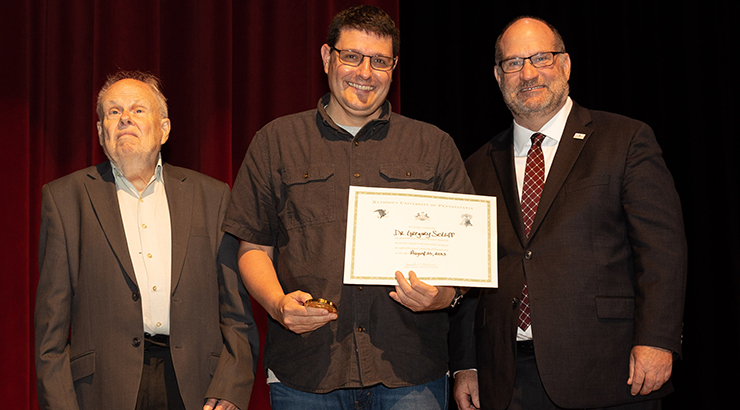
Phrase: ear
[326,57]
[166,127]
[101,136]
[566,65]
[497,73]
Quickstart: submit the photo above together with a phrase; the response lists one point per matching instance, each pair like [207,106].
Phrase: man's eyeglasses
[539,60]
[354,59]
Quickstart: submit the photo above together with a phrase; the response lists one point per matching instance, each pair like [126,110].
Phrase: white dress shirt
[553,131]
[146,221]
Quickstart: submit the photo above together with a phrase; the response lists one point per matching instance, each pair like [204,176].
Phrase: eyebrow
[107,103]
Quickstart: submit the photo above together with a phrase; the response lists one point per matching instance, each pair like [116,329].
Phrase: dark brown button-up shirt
[292,193]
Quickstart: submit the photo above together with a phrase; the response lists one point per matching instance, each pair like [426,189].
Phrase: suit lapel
[101,189]
[568,151]
[502,155]
[180,200]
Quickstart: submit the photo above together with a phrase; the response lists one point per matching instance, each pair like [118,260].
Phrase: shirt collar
[124,184]
[385,115]
[553,130]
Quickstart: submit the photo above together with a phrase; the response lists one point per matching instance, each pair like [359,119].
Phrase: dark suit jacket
[88,318]
[605,263]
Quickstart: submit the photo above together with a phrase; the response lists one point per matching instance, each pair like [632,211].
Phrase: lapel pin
[579,136]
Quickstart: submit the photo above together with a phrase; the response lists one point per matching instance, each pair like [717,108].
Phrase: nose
[125,119]
[528,71]
[364,69]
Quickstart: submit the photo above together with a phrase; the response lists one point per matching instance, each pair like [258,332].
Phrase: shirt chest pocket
[416,176]
[309,196]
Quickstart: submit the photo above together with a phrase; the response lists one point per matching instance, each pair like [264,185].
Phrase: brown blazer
[88,319]
[605,263]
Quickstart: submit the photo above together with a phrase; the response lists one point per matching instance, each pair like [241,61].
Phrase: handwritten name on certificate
[446,239]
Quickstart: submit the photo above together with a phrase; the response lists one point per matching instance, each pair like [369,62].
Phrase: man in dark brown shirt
[289,208]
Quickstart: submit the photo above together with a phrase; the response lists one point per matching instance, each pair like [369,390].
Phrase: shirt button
[408,174]
[357,143]
[143,226]
[159,324]
[359,287]
[360,329]
[357,174]
[305,175]
[154,288]
[149,255]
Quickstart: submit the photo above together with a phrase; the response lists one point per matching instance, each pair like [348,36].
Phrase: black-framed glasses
[354,59]
[539,60]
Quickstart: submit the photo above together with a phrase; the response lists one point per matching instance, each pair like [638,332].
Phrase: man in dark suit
[139,303]
[592,253]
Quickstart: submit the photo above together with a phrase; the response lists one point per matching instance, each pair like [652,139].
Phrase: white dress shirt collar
[124,184]
[553,129]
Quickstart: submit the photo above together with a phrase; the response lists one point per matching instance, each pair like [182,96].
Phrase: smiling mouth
[360,86]
[533,88]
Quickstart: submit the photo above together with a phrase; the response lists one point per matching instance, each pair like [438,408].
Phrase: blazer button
[136,342]
[528,255]
[515,303]
[135,296]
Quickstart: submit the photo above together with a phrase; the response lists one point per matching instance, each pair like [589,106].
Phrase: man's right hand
[258,274]
[466,390]
[291,313]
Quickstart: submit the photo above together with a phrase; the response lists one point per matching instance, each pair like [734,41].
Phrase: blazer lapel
[180,200]
[575,136]
[502,155]
[101,189]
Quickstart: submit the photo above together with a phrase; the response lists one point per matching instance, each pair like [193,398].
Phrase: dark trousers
[158,389]
[530,394]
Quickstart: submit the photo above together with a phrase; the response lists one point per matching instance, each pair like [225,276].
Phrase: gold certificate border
[430,195]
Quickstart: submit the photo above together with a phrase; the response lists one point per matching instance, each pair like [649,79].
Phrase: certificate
[446,239]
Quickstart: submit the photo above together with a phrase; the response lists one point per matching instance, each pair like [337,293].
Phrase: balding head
[531,24]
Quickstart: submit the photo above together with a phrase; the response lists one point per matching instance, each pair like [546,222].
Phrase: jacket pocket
[199,231]
[615,307]
[309,195]
[82,365]
[416,176]
[596,180]
[213,363]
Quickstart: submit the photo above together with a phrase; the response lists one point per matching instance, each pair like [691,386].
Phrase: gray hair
[149,79]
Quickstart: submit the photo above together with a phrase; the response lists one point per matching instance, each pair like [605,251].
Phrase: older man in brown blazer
[139,304]
[592,253]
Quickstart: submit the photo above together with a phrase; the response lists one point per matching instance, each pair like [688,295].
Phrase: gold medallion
[321,304]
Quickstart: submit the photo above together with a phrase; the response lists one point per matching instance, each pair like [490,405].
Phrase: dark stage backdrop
[229,67]
[656,61]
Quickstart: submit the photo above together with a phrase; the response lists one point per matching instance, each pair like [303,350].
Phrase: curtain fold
[227,67]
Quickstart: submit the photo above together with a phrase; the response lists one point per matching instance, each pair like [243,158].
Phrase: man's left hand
[216,404]
[418,296]
[650,368]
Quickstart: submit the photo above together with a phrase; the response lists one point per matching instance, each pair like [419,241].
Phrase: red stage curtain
[228,67]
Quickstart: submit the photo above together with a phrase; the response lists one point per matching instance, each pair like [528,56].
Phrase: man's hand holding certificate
[445,239]
[419,296]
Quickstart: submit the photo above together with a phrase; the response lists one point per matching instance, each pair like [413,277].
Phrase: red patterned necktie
[534,181]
